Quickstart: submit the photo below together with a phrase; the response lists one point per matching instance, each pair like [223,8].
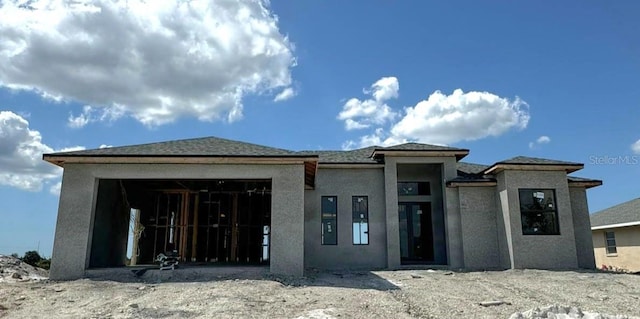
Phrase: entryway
[416,233]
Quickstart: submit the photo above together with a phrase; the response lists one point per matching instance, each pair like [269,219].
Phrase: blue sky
[503,78]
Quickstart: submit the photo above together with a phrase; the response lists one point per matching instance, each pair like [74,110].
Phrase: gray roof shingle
[205,146]
[418,147]
[471,168]
[535,161]
[623,213]
[358,156]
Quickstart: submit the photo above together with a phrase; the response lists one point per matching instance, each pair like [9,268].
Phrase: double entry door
[416,232]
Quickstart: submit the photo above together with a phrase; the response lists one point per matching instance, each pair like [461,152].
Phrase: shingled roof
[205,146]
[534,163]
[525,160]
[358,156]
[625,214]
[419,147]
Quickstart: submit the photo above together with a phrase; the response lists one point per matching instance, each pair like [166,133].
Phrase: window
[610,238]
[360,213]
[538,212]
[329,216]
[414,188]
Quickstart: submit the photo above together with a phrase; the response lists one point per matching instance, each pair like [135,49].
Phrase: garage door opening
[201,221]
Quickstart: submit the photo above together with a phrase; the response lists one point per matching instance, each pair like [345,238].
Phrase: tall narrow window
[329,216]
[610,238]
[360,213]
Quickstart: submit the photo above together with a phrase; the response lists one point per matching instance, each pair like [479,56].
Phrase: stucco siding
[479,230]
[627,246]
[74,225]
[541,251]
[505,245]
[582,227]
[77,204]
[346,183]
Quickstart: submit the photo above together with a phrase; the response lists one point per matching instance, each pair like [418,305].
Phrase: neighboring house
[616,236]
[226,202]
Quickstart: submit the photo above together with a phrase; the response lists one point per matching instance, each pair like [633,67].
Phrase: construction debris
[13,269]
[494,303]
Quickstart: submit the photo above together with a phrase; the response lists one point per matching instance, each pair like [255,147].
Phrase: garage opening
[200,221]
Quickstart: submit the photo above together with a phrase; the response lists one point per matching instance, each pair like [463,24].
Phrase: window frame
[608,246]
[422,188]
[526,213]
[324,219]
[360,220]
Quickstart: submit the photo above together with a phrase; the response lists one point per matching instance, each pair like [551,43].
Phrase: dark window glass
[329,217]
[360,213]
[538,212]
[610,238]
[414,188]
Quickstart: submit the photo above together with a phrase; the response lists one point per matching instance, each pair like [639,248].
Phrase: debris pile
[13,269]
[560,312]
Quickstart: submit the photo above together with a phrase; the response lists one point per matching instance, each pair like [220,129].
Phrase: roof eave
[60,160]
[458,153]
[499,167]
[629,224]
[585,184]
[454,184]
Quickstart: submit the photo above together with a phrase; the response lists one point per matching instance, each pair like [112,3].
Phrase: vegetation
[33,258]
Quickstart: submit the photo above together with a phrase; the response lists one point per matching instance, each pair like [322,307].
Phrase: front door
[416,233]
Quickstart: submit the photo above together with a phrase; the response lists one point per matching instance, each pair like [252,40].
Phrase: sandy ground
[251,293]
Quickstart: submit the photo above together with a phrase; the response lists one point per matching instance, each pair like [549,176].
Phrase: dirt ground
[253,293]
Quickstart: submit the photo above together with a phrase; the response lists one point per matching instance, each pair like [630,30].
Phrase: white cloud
[349,145]
[445,119]
[55,188]
[286,94]
[21,150]
[541,140]
[360,114]
[105,146]
[92,114]
[153,60]
[377,138]
[635,147]
[440,119]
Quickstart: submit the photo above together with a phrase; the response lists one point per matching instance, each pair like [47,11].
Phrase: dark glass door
[416,233]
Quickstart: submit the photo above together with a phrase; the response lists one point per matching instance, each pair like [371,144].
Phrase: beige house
[616,236]
[213,201]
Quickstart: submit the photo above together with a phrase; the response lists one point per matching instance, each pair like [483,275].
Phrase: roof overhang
[585,184]
[458,153]
[61,160]
[472,183]
[310,162]
[616,225]
[499,167]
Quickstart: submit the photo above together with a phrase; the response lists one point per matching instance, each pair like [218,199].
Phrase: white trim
[616,225]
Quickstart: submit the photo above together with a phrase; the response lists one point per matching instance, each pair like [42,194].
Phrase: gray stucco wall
[453,228]
[539,251]
[479,230]
[345,183]
[70,255]
[582,228]
[505,245]
[79,189]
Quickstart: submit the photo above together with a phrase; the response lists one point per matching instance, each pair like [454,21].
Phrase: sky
[547,79]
